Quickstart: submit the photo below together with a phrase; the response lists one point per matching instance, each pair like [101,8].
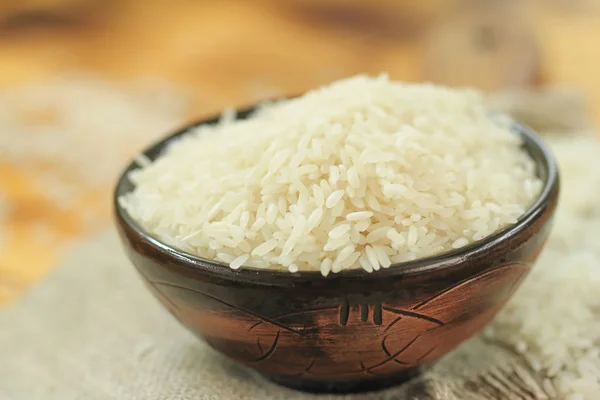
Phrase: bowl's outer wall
[334,328]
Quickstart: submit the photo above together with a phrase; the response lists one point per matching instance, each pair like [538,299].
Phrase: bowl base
[343,386]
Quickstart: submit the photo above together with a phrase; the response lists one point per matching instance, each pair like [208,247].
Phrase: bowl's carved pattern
[353,331]
[347,339]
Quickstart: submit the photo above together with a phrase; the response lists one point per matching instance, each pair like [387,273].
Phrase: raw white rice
[362,173]
[238,261]
[554,316]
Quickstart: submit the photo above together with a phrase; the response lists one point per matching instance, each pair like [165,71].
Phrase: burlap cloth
[92,331]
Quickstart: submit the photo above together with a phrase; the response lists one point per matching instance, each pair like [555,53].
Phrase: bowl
[351,331]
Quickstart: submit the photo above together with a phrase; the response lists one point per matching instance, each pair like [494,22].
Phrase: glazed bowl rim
[532,142]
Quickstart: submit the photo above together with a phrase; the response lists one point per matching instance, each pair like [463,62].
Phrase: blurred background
[84,84]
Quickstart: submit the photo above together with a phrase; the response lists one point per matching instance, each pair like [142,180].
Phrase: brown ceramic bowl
[354,330]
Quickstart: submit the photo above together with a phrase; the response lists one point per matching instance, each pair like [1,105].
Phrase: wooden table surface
[228,53]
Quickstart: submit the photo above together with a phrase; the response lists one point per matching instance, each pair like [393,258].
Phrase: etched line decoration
[315,341]
[260,317]
[344,311]
[271,349]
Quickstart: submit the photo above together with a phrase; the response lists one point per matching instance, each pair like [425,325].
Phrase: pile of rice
[364,173]
[554,318]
